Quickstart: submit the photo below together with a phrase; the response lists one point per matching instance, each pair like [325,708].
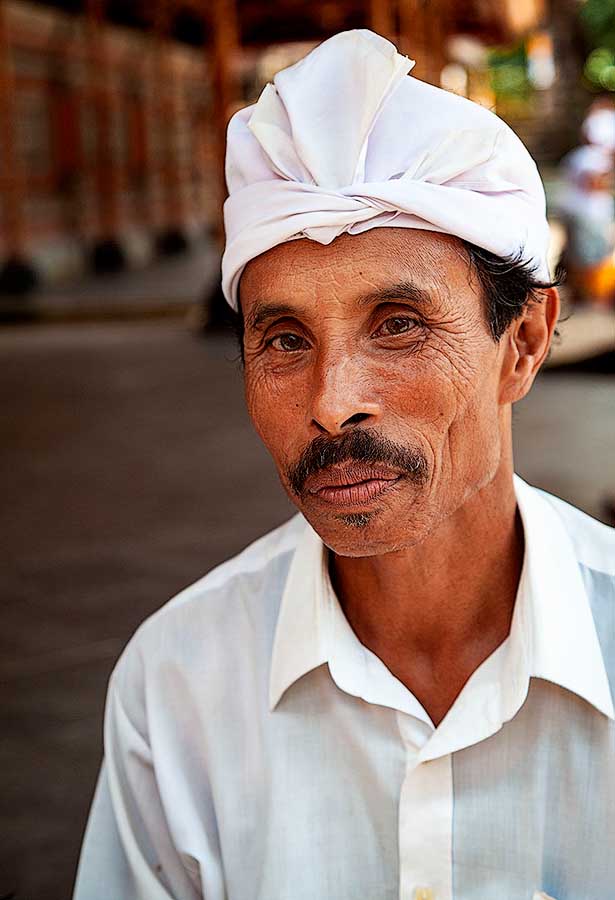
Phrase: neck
[443,606]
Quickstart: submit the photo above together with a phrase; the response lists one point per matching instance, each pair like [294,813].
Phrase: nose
[342,396]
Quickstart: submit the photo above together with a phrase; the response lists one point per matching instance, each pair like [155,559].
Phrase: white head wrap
[343,141]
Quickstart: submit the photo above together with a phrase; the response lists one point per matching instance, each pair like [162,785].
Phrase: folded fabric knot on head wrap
[344,141]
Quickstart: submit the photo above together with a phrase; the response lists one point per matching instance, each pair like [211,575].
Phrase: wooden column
[170,236]
[108,254]
[138,146]
[155,112]
[17,276]
[438,28]
[12,174]
[225,42]
[220,57]
[65,110]
[422,36]
[175,207]
[382,18]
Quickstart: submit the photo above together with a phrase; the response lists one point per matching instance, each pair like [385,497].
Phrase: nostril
[354,420]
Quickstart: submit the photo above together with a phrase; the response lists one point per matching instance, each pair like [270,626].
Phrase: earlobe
[529,341]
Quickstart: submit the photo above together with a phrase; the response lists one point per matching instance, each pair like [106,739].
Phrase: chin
[372,532]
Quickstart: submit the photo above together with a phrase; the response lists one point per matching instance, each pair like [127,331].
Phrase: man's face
[373,380]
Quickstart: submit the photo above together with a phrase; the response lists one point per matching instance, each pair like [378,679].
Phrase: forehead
[354,264]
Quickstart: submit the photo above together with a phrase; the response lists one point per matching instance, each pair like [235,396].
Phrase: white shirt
[256,750]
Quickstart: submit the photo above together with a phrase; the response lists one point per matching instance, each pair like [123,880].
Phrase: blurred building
[112,112]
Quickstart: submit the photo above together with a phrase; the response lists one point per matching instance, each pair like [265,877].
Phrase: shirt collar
[300,637]
[564,645]
[553,635]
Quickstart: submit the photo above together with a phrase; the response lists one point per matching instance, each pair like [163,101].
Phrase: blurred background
[129,467]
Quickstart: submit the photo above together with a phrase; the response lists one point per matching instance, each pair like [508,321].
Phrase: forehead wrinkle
[329,274]
[405,290]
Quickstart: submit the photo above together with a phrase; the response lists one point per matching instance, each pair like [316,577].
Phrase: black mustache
[361,445]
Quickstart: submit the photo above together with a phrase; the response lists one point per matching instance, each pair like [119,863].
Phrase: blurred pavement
[168,285]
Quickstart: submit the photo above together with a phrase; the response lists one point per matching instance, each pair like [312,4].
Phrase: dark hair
[508,286]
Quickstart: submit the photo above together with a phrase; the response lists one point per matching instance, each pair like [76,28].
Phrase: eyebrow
[266,311]
[403,290]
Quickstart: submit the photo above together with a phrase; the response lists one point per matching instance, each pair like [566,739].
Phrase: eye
[395,325]
[288,343]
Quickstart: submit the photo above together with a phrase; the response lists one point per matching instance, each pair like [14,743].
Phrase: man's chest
[327,799]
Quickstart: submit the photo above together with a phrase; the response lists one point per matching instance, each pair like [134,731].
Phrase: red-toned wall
[112,134]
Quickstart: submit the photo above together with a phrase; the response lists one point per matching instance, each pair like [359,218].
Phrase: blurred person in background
[587,209]
[598,128]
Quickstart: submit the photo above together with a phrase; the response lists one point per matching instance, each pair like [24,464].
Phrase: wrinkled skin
[422,371]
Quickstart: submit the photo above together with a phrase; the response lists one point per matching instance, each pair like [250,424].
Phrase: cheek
[421,397]
[277,411]
[450,403]
[473,440]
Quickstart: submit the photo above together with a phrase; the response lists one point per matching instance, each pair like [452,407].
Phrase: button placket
[425,824]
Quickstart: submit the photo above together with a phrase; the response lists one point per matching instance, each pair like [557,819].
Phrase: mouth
[352,485]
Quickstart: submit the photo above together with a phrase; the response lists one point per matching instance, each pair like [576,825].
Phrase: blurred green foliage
[508,72]
[598,20]
[508,66]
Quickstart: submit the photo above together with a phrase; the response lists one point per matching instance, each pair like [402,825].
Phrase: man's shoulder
[251,566]
[242,592]
[593,541]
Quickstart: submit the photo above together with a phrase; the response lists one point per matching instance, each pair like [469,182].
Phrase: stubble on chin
[358,520]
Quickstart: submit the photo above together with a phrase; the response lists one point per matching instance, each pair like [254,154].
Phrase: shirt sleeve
[128,851]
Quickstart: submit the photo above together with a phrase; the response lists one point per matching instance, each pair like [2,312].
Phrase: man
[404,692]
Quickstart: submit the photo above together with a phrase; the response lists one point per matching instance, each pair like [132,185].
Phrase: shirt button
[424,893]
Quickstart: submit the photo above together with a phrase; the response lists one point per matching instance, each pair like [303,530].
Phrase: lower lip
[355,494]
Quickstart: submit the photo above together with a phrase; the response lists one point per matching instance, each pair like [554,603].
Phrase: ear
[527,343]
